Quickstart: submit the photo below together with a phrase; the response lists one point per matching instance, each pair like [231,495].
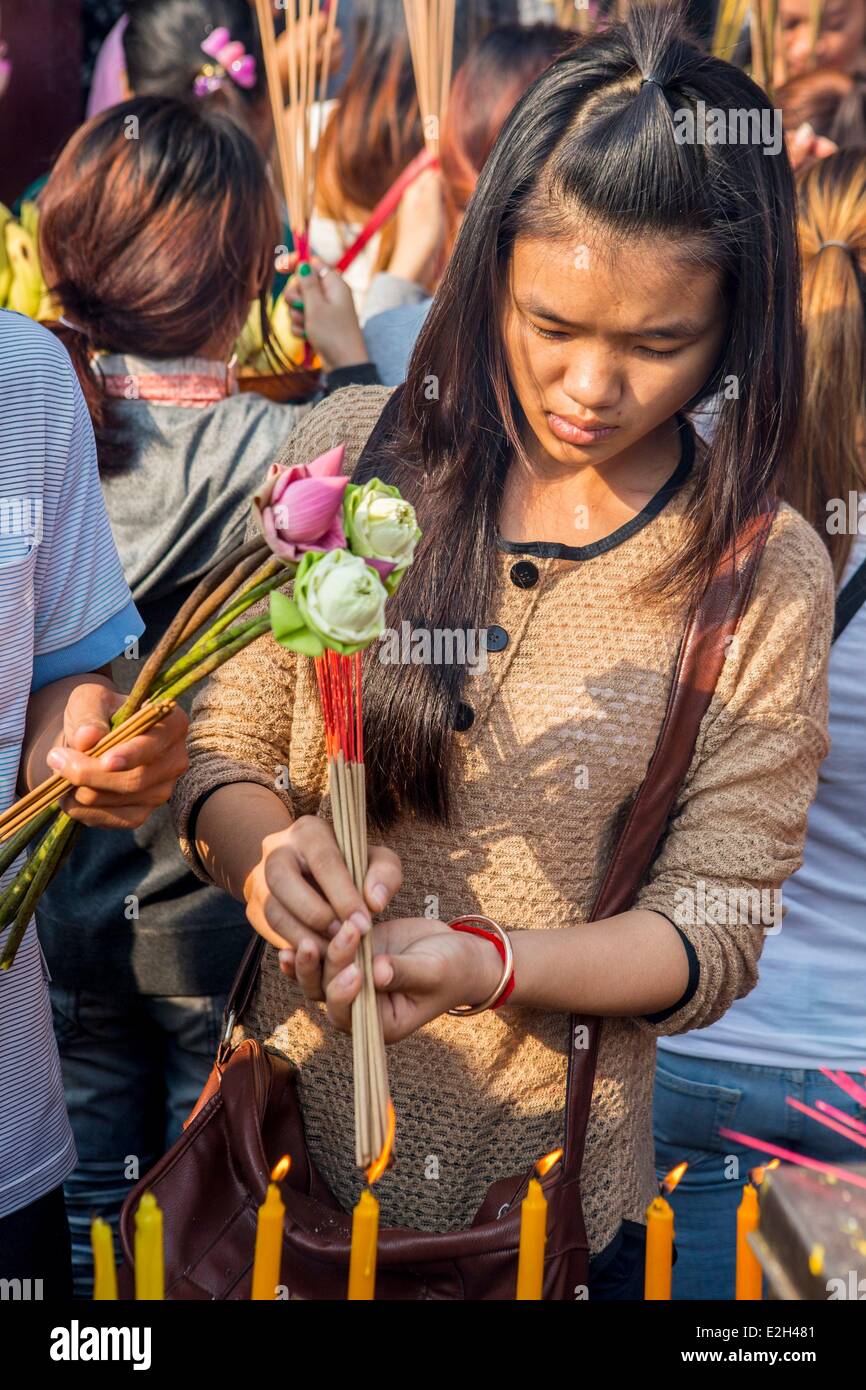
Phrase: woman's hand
[119,789]
[327,318]
[421,968]
[300,894]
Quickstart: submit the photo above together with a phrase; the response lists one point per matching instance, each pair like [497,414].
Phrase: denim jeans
[133,1067]
[695,1097]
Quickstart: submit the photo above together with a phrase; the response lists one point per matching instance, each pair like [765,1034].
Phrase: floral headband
[230,59]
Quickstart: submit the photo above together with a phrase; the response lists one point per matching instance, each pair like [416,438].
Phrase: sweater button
[496,639]
[464,717]
[524,574]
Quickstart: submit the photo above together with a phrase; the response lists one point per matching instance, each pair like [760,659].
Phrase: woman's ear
[125,89]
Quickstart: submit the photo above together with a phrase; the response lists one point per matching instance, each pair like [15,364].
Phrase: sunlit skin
[623,340]
[841,37]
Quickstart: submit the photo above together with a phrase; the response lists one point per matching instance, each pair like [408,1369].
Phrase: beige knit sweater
[566,717]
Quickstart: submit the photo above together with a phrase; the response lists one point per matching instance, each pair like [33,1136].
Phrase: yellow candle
[104,1271]
[748,1283]
[149,1272]
[533,1237]
[269,1245]
[365,1239]
[659,1249]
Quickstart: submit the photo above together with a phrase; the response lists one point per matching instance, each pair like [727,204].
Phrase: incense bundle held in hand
[353,544]
[189,650]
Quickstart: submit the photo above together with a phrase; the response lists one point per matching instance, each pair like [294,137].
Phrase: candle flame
[544,1165]
[281,1169]
[378,1166]
[756,1177]
[671,1179]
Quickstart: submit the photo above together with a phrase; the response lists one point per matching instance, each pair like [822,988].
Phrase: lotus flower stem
[21,839]
[250,633]
[18,892]
[248,559]
[39,873]
[204,600]
[205,644]
[201,651]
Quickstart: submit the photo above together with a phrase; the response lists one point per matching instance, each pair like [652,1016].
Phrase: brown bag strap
[711,624]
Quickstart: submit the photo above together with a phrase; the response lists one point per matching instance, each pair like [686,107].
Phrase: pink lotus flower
[301,508]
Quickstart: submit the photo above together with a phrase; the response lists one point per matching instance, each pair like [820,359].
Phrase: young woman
[808,1011]
[156,248]
[605,278]
[65,612]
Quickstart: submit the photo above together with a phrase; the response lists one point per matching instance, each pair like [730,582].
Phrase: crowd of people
[597,349]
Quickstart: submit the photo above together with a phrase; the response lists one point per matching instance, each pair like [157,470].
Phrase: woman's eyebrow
[682,328]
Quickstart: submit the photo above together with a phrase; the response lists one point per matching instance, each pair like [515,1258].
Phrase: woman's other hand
[421,969]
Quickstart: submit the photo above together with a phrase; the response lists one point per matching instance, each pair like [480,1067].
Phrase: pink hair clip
[230,59]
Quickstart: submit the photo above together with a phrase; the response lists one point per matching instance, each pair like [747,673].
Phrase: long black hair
[590,141]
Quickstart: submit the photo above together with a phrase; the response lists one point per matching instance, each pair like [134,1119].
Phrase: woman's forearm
[629,965]
[230,828]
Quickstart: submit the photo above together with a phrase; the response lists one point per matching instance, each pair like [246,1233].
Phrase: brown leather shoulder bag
[212,1181]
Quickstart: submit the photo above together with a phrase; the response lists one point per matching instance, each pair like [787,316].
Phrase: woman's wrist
[231,825]
[480,971]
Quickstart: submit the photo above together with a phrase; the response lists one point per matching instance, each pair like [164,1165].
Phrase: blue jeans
[133,1067]
[696,1097]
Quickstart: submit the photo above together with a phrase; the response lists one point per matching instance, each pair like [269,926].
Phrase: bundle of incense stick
[339,679]
[295,151]
[431,39]
[764,30]
[241,579]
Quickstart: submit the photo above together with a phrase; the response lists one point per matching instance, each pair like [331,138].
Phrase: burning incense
[825,1120]
[844,1082]
[801,1160]
[838,1114]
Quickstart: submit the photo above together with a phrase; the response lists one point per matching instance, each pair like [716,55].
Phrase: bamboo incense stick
[430,26]
[287,164]
[339,679]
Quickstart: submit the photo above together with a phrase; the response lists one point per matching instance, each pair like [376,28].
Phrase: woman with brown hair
[605,279]
[158,230]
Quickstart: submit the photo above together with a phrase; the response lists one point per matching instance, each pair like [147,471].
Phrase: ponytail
[828,462]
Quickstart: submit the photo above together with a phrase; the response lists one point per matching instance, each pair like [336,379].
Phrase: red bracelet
[491,931]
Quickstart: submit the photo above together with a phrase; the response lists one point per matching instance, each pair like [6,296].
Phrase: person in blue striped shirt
[65,613]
